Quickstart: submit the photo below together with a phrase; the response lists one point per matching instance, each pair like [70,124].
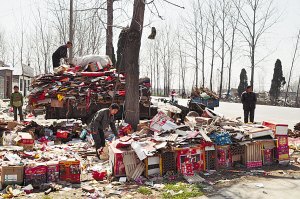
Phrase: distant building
[6,75]
[23,80]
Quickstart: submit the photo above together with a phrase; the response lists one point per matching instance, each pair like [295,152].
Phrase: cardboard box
[276,127]
[35,175]
[69,170]
[253,155]
[193,156]
[12,175]
[62,134]
[224,156]
[116,159]
[12,125]
[25,140]
[52,171]
[282,150]
[96,66]
[27,146]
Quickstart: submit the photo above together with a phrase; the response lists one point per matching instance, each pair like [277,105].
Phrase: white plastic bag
[104,60]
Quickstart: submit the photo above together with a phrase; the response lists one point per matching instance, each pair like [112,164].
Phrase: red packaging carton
[35,175]
[190,159]
[62,134]
[116,159]
[52,171]
[276,127]
[69,170]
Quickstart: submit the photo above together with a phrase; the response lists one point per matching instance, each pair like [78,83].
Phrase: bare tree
[213,20]
[3,48]
[257,16]
[292,66]
[222,33]
[233,23]
[131,55]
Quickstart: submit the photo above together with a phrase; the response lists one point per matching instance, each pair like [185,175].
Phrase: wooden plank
[204,135]
[194,179]
[172,138]
[130,161]
[136,173]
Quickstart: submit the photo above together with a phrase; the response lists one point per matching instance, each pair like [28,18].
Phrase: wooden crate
[253,155]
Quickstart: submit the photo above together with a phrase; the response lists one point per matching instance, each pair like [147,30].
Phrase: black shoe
[97,154]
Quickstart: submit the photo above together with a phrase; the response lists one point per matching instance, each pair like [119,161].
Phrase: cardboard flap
[57,103]
[269,144]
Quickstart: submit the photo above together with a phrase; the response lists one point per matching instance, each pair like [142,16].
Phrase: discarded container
[69,170]
[12,175]
[53,171]
[83,133]
[62,134]
[35,175]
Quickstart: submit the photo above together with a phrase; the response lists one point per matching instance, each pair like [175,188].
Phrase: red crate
[35,175]
[69,170]
[62,134]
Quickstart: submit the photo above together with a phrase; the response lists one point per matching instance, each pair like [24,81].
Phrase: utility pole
[109,31]
[71,32]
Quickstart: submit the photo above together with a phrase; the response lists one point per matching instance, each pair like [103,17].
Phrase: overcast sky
[280,39]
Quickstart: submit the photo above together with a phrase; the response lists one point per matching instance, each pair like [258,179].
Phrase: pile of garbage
[79,91]
[204,93]
[296,132]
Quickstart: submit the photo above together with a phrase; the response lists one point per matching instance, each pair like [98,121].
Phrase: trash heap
[204,93]
[161,147]
[296,132]
[54,156]
[79,91]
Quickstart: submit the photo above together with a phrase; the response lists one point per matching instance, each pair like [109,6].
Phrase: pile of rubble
[204,93]
[296,132]
[79,91]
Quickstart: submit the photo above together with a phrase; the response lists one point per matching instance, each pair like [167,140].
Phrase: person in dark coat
[249,103]
[101,120]
[61,52]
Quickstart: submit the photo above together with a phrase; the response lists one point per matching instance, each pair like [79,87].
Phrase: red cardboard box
[224,156]
[282,152]
[191,159]
[276,127]
[116,159]
[69,170]
[62,134]
[35,175]
[53,171]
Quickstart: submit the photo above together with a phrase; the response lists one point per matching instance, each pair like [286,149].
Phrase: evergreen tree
[243,82]
[121,44]
[277,82]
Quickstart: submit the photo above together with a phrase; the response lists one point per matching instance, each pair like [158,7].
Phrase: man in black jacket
[61,52]
[100,122]
[249,102]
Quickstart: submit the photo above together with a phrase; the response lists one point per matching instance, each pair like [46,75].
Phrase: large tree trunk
[109,31]
[131,55]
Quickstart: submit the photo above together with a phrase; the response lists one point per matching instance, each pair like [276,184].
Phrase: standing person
[100,122]
[249,103]
[172,94]
[16,101]
[61,52]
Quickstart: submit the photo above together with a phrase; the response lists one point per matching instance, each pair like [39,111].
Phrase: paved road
[272,189]
[286,115]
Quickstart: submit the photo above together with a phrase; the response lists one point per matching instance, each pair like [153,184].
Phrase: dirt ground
[214,182]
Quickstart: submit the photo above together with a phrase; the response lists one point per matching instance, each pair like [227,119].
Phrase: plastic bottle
[83,133]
